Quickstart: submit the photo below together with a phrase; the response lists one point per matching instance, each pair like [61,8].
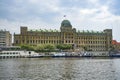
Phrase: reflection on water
[59,69]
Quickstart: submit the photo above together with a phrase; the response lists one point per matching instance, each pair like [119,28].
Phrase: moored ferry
[17,54]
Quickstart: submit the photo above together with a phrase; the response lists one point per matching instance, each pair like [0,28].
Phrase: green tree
[27,47]
[64,46]
[49,47]
[45,47]
[40,47]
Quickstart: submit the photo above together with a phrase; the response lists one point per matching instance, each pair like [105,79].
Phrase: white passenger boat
[16,54]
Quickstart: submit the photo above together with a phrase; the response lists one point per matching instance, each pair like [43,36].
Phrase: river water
[60,69]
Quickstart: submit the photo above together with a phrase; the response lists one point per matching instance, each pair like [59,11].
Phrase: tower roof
[66,23]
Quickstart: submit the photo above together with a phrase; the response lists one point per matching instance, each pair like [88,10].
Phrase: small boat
[86,54]
[58,55]
[115,55]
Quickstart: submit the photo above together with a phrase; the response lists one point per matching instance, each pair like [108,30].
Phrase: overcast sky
[94,15]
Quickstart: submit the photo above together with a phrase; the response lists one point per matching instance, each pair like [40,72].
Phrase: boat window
[29,52]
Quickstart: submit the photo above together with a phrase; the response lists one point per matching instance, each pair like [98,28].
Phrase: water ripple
[59,69]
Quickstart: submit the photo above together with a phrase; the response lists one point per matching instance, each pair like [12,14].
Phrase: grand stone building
[89,40]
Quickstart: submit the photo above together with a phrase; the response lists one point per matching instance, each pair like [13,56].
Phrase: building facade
[80,40]
[5,38]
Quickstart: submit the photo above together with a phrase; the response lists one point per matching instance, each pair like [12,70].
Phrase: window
[16,41]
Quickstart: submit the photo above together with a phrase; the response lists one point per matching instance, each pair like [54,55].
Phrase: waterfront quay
[32,54]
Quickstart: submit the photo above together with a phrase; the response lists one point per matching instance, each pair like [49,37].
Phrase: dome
[66,23]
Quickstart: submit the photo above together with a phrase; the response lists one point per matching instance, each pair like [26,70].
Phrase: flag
[64,15]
